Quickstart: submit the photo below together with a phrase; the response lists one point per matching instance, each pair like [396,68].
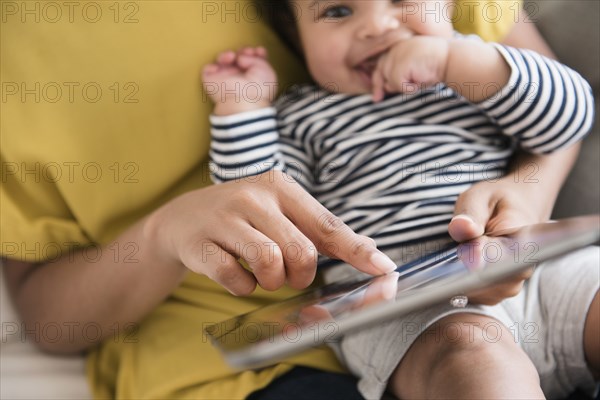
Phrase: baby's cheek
[328,69]
[320,70]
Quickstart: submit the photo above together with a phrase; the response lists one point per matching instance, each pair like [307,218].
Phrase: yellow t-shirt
[103,119]
[489,19]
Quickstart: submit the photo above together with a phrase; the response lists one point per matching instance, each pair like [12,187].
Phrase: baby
[404,116]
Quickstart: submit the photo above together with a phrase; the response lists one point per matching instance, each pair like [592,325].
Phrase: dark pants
[303,383]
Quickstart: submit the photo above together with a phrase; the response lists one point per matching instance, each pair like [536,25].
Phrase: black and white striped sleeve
[243,145]
[545,105]
[249,143]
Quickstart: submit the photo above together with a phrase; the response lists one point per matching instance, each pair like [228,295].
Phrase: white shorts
[547,320]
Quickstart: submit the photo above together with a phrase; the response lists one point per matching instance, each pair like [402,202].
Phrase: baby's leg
[458,358]
[591,337]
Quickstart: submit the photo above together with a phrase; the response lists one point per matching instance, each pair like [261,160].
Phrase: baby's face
[342,40]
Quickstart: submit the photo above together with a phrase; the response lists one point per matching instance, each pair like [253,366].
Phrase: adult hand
[492,206]
[267,220]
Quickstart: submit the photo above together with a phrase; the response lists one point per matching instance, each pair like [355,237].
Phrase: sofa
[572,29]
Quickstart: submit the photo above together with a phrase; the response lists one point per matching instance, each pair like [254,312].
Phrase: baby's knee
[457,346]
[471,341]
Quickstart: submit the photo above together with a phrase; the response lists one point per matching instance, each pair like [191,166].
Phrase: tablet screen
[320,315]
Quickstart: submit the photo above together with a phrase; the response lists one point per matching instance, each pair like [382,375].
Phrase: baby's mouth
[369,64]
[367,67]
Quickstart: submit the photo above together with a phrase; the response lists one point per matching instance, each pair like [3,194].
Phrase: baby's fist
[411,65]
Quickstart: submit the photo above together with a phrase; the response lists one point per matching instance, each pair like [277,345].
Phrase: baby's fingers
[226,58]
[378,86]
[210,69]
[248,57]
[253,51]
[246,62]
[261,51]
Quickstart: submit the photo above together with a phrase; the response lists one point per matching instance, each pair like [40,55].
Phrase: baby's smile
[366,67]
[365,56]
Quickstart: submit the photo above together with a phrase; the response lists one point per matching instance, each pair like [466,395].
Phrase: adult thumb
[471,214]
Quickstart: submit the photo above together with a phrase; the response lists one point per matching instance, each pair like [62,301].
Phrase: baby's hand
[240,81]
[471,68]
[411,65]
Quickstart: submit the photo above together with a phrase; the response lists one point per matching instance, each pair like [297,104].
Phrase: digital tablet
[317,316]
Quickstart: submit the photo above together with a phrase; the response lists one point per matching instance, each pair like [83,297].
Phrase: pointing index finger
[331,236]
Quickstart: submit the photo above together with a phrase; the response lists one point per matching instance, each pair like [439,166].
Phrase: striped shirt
[393,170]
